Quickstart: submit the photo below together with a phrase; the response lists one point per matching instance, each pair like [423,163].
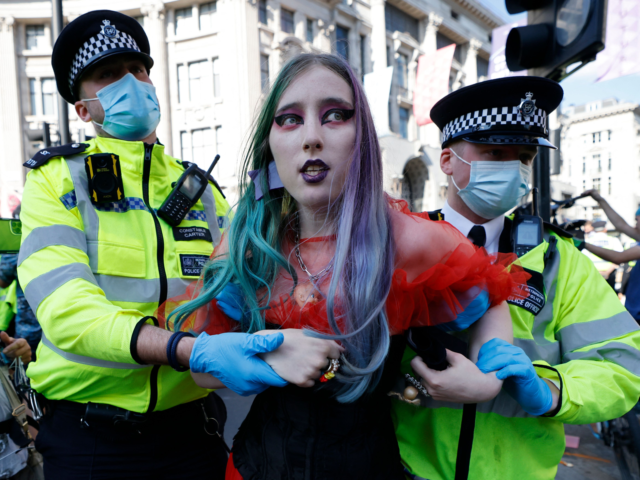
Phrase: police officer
[575,356]
[96,261]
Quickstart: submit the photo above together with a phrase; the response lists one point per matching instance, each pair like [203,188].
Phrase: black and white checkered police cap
[90,38]
[505,111]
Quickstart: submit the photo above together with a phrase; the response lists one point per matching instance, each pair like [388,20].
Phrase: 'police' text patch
[191,233]
[192,264]
[529,296]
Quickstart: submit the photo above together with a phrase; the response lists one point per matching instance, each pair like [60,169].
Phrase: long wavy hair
[365,251]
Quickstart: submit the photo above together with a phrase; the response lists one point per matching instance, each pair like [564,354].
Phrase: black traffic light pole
[63,112]
[559,34]
[542,180]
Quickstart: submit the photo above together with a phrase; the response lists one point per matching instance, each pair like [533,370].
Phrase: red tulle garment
[438,274]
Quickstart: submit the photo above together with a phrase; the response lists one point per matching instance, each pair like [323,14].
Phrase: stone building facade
[601,149]
[215,59]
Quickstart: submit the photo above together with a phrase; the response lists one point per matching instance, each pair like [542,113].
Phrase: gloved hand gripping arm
[521,380]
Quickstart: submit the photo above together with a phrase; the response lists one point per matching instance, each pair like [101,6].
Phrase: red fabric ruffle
[435,296]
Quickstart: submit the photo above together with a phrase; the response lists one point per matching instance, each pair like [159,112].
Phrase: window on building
[218,139]
[584,185]
[264,72]
[262,11]
[584,165]
[184,21]
[207,12]
[217,92]
[597,162]
[342,42]
[183,84]
[482,67]
[363,55]
[196,80]
[444,41]
[402,74]
[33,96]
[596,183]
[455,15]
[309,30]
[609,135]
[197,146]
[35,37]
[595,137]
[140,20]
[286,21]
[397,20]
[609,188]
[609,162]
[404,122]
[49,104]
[203,144]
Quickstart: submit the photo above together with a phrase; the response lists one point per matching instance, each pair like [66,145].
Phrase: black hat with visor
[504,111]
[91,38]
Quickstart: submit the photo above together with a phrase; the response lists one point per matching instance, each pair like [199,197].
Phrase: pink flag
[432,82]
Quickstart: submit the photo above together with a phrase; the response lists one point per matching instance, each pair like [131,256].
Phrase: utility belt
[210,410]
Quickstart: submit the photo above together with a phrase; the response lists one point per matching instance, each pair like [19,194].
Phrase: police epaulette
[557,230]
[436,215]
[186,165]
[45,154]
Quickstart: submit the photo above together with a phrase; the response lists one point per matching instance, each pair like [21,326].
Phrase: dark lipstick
[314,171]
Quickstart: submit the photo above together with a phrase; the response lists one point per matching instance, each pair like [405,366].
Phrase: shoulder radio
[526,233]
[186,193]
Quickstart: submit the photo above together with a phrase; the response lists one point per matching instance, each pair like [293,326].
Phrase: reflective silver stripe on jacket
[619,353]
[41,287]
[545,316]
[580,335]
[139,290]
[43,237]
[209,203]
[92,362]
[85,207]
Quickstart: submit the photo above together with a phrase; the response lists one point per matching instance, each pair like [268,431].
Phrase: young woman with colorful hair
[318,251]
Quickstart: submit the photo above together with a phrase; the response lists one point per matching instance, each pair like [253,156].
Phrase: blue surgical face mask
[494,187]
[131,110]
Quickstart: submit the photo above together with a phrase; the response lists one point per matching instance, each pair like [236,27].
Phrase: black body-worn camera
[105,177]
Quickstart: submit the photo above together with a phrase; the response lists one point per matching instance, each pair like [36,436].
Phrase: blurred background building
[601,149]
[215,59]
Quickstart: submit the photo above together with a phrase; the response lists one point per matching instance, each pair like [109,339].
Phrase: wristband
[172,348]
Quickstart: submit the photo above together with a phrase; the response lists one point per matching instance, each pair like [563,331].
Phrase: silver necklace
[321,273]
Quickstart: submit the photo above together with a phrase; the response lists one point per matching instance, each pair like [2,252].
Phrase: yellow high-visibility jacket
[573,322]
[95,273]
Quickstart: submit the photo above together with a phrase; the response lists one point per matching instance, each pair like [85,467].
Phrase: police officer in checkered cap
[491,133]
[98,262]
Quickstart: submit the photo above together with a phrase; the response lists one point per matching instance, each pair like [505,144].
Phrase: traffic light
[559,33]
[42,136]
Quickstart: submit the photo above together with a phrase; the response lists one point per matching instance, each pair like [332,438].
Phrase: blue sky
[580,87]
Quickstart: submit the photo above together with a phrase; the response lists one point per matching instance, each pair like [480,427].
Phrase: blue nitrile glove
[474,311]
[231,301]
[521,380]
[232,359]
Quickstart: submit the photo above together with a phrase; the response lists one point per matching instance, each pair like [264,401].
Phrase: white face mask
[495,187]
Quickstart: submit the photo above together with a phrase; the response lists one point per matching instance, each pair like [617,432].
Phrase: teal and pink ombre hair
[365,251]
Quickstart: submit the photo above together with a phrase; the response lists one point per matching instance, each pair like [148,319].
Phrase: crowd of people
[380,343]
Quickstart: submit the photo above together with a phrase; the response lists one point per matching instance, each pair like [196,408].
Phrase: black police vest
[297,433]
